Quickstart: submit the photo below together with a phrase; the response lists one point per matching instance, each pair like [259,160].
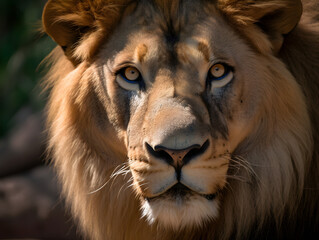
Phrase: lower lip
[209,197]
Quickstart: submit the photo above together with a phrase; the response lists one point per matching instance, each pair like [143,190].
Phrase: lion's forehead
[157,44]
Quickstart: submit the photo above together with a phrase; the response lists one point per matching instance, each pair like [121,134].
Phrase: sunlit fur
[266,169]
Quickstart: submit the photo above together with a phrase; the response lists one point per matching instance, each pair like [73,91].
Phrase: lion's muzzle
[176,149]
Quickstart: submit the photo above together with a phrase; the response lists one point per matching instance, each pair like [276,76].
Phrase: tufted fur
[272,182]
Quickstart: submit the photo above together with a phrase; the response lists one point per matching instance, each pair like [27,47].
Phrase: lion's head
[183,114]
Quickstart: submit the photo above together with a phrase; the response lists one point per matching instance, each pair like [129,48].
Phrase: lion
[186,119]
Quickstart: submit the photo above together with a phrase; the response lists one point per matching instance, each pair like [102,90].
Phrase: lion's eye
[131,74]
[217,71]
[130,78]
[219,75]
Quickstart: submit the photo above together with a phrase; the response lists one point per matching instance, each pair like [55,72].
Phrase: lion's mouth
[180,192]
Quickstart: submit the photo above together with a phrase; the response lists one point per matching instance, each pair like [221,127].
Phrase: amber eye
[130,79]
[131,74]
[219,75]
[218,70]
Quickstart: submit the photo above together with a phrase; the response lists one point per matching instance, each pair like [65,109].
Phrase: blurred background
[30,206]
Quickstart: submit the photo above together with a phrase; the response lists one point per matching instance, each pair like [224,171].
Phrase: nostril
[161,154]
[177,157]
[194,152]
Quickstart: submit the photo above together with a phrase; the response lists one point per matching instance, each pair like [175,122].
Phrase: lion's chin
[180,209]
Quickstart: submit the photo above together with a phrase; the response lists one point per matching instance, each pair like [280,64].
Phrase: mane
[301,55]
[84,175]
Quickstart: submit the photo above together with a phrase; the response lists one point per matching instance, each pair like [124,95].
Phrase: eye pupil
[131,73]
[217,70]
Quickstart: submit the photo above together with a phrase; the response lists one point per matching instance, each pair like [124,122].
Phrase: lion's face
[182,98]
[194,99]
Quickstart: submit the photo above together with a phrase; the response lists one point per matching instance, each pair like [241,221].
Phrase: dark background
[30,206]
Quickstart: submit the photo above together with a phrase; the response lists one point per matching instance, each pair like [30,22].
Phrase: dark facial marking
[216,116]
[171,40]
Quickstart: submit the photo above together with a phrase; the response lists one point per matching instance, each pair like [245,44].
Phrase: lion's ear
[67,22]
[276,18]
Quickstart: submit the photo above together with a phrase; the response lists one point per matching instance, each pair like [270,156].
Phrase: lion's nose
[177,157]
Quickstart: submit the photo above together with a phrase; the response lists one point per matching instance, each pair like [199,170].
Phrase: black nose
[177,157]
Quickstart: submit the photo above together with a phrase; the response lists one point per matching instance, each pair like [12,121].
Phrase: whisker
[242,163]
[95,191]
[239,178]
[121,169]
[117,167]
[115,175]
[128,186]
[118,194]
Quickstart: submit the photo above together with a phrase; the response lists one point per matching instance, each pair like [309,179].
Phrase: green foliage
[22,48]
